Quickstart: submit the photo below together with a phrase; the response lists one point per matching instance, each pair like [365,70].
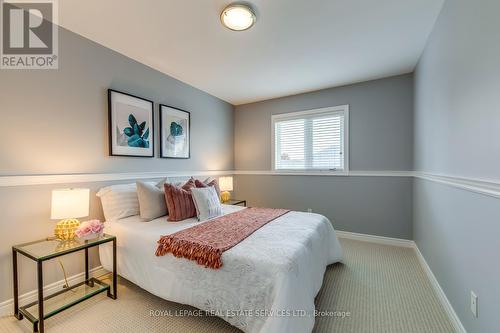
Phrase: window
[311,140]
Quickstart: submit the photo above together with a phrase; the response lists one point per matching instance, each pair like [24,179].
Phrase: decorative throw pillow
[119,201]
[209,182]
[190,183]
[179,201]
[152,202]
[207,203]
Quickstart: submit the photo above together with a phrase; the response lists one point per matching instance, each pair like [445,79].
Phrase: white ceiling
[295,46]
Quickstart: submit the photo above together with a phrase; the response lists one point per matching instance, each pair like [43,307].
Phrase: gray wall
[381,138]
[457,233]
[457,133]
[372,205]
[55,121]
[26,217]
[380,118]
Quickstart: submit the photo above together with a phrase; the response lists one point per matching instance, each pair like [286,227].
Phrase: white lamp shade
[70,203]
[226,183]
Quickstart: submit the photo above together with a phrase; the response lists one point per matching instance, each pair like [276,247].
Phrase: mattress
[267,282]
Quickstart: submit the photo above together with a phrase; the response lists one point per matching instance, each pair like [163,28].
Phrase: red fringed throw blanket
[204,243]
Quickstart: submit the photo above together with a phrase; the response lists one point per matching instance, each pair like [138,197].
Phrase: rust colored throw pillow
[188,184]
[208,182]
[180,203]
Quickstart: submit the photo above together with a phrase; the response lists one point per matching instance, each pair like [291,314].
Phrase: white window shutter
[310,140]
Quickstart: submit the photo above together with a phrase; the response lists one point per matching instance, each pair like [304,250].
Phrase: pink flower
[96,228]
[89,227]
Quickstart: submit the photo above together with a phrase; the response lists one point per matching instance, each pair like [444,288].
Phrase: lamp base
[225,196]
[65,229]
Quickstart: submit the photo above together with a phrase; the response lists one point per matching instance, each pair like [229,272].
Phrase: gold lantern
[67,205]
[66,245]
[65,229]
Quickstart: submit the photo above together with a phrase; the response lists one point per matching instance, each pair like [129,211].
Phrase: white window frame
[298,114]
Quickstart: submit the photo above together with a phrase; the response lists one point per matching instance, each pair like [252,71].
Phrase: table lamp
[67,206]
[225,185]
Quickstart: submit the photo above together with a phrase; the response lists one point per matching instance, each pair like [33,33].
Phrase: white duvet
[267,283]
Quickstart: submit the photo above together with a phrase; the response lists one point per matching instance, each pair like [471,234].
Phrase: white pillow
[151,200]
[119,201]
[207,202]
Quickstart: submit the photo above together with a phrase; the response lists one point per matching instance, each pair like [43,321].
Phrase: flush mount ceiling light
[238,17]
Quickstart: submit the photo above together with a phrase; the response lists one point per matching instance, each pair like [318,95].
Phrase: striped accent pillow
[119,201]
[179,200]
[191,182]
[207,203]
[209,182]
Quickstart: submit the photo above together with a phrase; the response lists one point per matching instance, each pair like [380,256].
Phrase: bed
[267,283]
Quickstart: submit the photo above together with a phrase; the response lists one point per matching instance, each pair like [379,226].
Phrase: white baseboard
[7,307]
[376,239]
[457,324]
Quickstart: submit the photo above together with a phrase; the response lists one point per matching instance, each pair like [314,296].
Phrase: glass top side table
[235,202]
[47,306]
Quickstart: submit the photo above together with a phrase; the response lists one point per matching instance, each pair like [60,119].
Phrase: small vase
[91,236]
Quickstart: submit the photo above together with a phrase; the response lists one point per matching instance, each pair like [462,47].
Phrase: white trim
[375,239]
[98,177]
[452,315]
[299,114]
[29,180]
[346,151]
[489,187]
[343,109]
[382,173]
[7,307]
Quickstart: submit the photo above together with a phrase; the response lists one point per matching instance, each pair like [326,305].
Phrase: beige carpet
[379,289]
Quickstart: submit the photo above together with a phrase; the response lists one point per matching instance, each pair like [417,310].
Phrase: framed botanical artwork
[175,128]
[131,125]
